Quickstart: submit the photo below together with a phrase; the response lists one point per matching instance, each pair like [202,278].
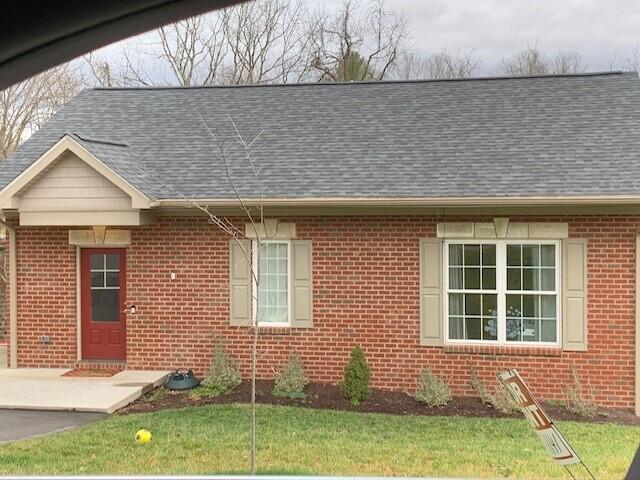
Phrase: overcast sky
[494,29]
[598,29]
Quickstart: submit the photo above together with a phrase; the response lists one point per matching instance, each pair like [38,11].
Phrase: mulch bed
[326,396]
[90,372]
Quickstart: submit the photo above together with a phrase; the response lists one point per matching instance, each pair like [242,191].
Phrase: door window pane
[105,287]
[112,279]
[112,261]
[105,305]
[97,279]
[97,261]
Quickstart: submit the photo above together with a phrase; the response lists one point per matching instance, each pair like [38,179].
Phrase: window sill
[523,351]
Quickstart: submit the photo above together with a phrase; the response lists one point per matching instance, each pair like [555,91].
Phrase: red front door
[103,296]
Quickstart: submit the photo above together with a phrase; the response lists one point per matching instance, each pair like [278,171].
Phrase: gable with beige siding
[71,184]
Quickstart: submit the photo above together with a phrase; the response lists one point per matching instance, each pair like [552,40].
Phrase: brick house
[482,223]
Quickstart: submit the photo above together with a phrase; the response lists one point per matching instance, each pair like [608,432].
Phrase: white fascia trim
[414,201]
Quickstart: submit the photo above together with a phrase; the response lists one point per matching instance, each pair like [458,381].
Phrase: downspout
[637,333]
[13,297]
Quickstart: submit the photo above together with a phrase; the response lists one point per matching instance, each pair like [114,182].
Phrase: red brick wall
[365,293]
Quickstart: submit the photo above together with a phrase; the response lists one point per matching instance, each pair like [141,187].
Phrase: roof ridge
[377,82]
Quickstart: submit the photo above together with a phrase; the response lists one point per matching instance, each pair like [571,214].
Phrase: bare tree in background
[377,36]
[630,62]
[532,61]
[100,72]
[443,65]
[255,42]
[194,49]
[267,42]
[568,62]
[26,106]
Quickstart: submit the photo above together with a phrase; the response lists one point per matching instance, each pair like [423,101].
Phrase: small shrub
[156,394]
[291,380]
[432,390]
[577,402]
[357,375]
[501,400]
[223,376]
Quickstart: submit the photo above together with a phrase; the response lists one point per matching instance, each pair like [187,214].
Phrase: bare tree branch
[532,61]
[267,42]
[194,49]
[237,235]
[443,65]
[26,106]
[354,46]
[630,62]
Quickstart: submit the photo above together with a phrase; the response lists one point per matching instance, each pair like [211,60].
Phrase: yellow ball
[143,436]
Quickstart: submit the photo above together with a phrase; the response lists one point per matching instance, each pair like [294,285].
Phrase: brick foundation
[365,293]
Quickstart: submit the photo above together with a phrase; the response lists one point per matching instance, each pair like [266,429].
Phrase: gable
[70,184]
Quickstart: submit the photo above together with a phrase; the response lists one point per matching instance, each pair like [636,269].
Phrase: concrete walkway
[47,389]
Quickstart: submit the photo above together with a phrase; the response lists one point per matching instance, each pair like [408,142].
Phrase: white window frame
[501,289]
[254,298]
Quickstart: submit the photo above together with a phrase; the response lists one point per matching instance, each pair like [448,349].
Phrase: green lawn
[215,439]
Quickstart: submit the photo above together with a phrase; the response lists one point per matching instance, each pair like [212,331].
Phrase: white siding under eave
[71,184]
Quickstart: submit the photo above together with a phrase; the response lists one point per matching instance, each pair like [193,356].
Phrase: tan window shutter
[431,320]
[301,284]
[574,294]
[240,282]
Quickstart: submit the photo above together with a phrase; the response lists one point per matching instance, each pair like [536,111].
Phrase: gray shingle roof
[539,136]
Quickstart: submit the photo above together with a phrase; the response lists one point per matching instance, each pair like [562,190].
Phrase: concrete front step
[112,365]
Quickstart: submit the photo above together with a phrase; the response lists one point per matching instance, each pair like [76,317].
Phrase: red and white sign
[552,439]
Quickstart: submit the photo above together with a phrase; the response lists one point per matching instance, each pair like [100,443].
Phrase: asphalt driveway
[21,424]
